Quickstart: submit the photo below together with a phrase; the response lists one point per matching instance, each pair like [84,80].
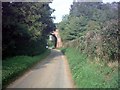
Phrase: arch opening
[52,42]
[55,38]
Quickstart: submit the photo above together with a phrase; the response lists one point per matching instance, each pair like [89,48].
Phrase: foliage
[102,44]
[24,27]
[13,67]
[51,43]
[90,74]
[91,40]
[92,29]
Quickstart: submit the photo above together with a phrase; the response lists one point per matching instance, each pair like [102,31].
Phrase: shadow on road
[49,60]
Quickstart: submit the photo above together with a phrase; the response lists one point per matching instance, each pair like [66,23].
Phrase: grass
[15,66]
[90,73]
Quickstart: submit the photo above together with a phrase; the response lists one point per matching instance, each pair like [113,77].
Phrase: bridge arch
[58,41]
[55,40]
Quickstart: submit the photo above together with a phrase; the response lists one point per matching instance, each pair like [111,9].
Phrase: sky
[62,7]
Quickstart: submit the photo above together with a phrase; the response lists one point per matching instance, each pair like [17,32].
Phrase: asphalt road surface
[52,72]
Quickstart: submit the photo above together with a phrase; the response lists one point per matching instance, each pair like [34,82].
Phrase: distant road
[52,72]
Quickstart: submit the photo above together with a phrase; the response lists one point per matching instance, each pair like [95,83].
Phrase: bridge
[58,40]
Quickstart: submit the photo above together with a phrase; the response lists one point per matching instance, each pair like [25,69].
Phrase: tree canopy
[25,26]
[93,27]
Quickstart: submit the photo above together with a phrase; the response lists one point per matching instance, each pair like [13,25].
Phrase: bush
[102,44]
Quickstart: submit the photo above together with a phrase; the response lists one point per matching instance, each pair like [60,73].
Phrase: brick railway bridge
[58,41]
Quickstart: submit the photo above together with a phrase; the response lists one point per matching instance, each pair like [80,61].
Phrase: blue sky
[62,7]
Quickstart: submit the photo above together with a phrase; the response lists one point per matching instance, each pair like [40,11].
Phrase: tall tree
[25,27]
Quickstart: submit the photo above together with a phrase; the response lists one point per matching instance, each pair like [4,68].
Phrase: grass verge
[15,66]
[90,73]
